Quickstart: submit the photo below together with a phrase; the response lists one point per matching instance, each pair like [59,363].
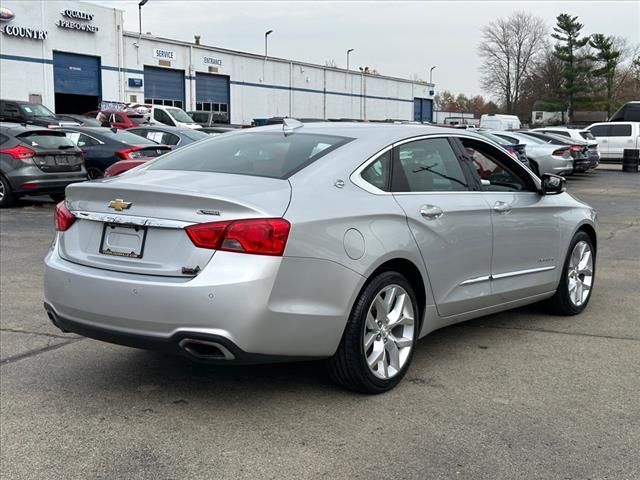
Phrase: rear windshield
[587,134]
[263,154]
[199,116]
[139,119]
[194,134]
[47,139]
[127,137]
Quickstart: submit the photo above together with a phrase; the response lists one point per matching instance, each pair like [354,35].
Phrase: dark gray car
[175,137]
[36,161]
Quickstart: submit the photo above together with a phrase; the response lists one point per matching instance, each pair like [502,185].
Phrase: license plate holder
[123,240]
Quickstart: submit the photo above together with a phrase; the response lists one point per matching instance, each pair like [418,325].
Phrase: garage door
[76,74]
[212,94]
[164,86]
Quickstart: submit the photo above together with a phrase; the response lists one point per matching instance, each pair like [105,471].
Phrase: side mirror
[553,184]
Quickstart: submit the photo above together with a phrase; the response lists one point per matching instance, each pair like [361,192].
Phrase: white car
[493,121]
[615,137]
[583,135]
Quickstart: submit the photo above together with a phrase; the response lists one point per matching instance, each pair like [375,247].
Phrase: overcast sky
[396,38]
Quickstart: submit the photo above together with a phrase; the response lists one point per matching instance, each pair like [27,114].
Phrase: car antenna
[114,129]
[290,125]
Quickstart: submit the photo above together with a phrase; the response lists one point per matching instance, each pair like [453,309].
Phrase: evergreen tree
[608,58]
[569,51]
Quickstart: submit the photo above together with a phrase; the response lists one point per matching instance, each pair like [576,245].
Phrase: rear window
[46,139]
[194,134]
[263,154]
[127,137]
[586,134]
[200,117]
[139,119]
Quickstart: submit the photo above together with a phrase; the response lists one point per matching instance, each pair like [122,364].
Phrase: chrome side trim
[471,281]
[500,276]
[517,273]
[130,220]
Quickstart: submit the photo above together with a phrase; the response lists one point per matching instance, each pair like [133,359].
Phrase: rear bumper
[32,180]
[252,305]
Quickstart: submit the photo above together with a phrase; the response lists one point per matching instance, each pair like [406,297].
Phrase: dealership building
[74,57]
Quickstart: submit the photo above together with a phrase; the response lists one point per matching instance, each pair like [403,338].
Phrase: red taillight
[126,154]
[561,151]
[64,218]
[261,236]
[19,152]
[576,148]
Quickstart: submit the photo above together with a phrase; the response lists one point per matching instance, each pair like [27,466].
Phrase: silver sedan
[340,241]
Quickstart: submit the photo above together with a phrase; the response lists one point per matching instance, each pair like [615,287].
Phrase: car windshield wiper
[429,168]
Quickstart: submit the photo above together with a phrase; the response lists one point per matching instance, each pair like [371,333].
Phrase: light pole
[140,5]
[348,52]
[431,75]
[266,34]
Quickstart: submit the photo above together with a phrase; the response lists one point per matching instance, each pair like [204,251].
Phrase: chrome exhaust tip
[205,350]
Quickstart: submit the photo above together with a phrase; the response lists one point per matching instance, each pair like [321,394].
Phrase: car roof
[162,128]
[16,128]
[21,102]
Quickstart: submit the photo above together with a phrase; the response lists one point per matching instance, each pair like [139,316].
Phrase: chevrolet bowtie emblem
[118,204]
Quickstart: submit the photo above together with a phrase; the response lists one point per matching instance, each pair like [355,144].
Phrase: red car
[121,120]
[122,166]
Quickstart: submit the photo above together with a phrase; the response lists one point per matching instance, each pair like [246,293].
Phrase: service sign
[164,54]
[212,61]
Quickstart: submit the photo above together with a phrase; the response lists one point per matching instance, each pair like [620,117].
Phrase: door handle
[502,207]
[431,212]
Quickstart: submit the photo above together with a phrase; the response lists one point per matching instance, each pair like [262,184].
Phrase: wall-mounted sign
[6,14]
[135,82]
[24,32]
[164,54]
[212,61]
[77,15]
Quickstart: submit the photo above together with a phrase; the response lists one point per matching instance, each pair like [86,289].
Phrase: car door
[602,133]
[450,223]
[620,139]
[526,253]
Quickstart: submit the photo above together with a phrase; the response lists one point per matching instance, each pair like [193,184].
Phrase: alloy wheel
[580,273]
[1,191]
[389,332]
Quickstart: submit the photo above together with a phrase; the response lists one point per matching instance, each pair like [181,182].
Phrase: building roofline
[274,59]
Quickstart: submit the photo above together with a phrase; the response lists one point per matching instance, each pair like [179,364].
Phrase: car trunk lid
[135,223]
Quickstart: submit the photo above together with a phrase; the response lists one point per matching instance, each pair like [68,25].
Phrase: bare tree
[508,49]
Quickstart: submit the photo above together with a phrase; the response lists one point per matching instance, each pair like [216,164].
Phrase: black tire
[348,367]
[560,303]
[8,198]
[57,197]
[94,173]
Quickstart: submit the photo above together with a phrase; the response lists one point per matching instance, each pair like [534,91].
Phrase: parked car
[36,161]
[30,113]
[543,157]
[209,119]
[576,134]
[175,137]
[578,149]
[614,137]
[171,116]
[629,112]
[495,121]
[296,241]
[518,150]
[125,120]
[103,147]
[79,120]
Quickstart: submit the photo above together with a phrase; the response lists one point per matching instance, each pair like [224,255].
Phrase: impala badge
[118,205]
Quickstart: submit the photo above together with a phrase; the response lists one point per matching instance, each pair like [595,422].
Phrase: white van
[494,121]
[172,116]
[614,137]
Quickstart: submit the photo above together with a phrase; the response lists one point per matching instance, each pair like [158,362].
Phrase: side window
[153,135]
[428,165]
[170,139]
[620,130]
[86,141]
[495,172]
[162,117]
[119,119]
[600,131]
[377,173]
[9,110]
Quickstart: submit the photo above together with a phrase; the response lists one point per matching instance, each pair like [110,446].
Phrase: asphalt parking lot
[517,395]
